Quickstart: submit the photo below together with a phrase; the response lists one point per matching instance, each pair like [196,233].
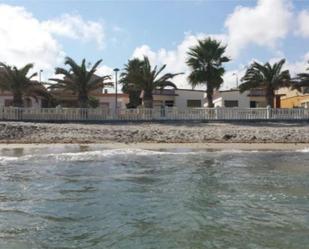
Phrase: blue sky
[117,30]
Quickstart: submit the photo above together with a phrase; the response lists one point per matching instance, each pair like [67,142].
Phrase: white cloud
[75,27]
[106,70]
[174,59]
[303,23]
[23,40]
[299,66]
[263,25]
[232,77]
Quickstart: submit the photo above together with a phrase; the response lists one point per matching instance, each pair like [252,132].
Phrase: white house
[186,98]
[231,98]
[180,98]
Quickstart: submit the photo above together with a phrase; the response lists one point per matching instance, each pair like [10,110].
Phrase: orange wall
[293,101]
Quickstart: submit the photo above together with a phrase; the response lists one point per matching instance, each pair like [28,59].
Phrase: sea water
[80,197]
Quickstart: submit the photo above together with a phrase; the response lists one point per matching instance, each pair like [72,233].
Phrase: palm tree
[205,61]
[79,80]
[132,68]
[16,81]
[145,78]
[301,80]
[268,77]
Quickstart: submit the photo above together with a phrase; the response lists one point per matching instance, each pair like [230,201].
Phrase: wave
[98,155]
[89,155]
[305,150]
[5,159]
[232,151]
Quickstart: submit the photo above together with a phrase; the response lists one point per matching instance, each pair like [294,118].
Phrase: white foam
[98,155]
[238,151]
[5,159]
[90,155]
[109,153]
[305,150]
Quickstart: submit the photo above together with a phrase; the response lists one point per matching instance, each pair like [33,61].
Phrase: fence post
[217,112]
[2,112]
[268,112]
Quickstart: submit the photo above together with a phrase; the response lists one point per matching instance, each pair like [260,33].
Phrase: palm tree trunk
[17,100]
[83,101]
[148,99]
[134,99]
[270,96]
[210,92]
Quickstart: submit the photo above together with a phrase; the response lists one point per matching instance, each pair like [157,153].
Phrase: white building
[231,98]
[186,98]
[180,98]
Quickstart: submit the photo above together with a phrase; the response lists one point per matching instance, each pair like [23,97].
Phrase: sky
[43,32]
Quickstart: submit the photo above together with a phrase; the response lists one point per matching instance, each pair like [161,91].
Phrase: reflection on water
[76,198]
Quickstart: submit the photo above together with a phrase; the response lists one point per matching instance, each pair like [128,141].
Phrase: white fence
[160,114]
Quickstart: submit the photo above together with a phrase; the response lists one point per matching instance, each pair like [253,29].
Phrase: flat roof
[192,90]
[230,90]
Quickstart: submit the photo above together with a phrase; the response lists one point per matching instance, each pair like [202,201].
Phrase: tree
[205,61]
[145,78]
[79,80]
[93,102]
[301,80]
[268,77]
[132,68]
[19,84]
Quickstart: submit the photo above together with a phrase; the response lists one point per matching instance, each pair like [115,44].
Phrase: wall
[34,103]
[292,98]
[242,98]
[218,102]
[184,95]
[158,100]
[295,101]
[108,100]
[260,101]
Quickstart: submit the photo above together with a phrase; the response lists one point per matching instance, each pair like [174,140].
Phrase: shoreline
[166,146]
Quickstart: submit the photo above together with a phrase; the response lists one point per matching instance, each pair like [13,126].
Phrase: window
[231,103]
[169,103]
[252,104]
[194,103]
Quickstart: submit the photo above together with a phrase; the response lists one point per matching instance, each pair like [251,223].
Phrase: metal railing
[155,114]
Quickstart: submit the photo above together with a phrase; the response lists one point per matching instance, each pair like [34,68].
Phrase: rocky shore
[18,132]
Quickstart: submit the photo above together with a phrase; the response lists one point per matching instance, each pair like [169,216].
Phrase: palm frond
[205,61]
[265,76]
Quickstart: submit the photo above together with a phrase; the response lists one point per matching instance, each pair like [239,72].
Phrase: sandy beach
[199,134]
[161,146]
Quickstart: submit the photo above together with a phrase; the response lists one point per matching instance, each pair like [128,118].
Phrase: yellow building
[293,98]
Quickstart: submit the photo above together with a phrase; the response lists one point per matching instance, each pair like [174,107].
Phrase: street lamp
[236,74]
[116,70]
[40,74]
